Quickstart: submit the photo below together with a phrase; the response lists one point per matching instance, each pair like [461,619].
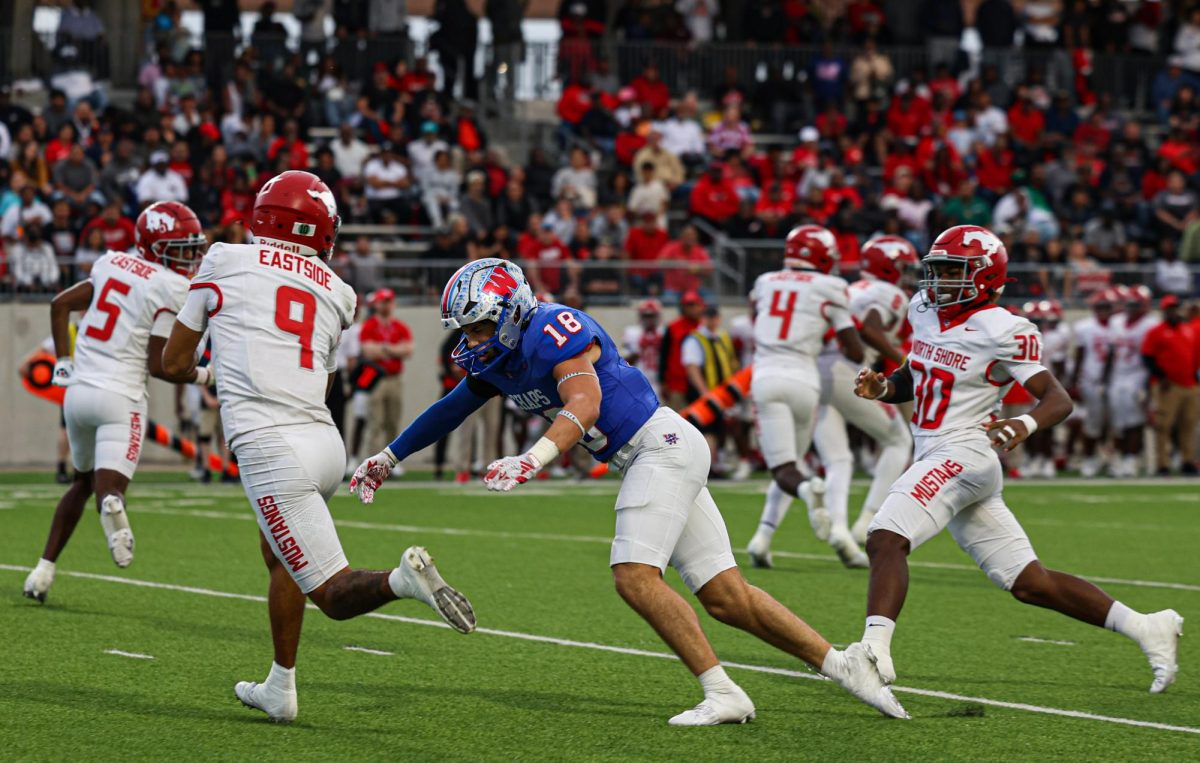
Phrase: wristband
[575,419]
[204,376]
[63,359]
[1030,423]
[389,455]
[543,451]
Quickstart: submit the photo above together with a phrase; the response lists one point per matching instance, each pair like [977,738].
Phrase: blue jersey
[556,333]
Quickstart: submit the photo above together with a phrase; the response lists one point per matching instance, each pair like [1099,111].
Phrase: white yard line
[1036,640]
[133,655]
[365,650]
[638,653]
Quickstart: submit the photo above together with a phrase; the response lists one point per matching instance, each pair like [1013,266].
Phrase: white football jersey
[644,347]
[889,301]
[1127,341]
[793,310]
[274,318]
[132,298]
[962,371]
[1095,339]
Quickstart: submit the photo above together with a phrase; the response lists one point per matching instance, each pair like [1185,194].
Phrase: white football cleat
[1090,467]
[726,707]
[420,580]
[759,549]
[280,705]
[1049,470]
[1160,644]
[37,585]
[855,671]
[813,493]
[742,472]
[847,550]
[115,522]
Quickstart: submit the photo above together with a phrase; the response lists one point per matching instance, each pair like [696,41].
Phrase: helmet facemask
[182,255]
[948,280]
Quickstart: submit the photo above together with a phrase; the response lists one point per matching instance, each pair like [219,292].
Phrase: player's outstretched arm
[446,415]
[851,344]
[897,388]
[76,298]
[579,388]
[1054,405]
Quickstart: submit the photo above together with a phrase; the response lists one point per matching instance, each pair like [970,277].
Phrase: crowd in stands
[645,179]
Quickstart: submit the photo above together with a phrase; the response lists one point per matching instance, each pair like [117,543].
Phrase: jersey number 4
[301,327]
[784,311]
[931,390]
[568,322]
[112,312]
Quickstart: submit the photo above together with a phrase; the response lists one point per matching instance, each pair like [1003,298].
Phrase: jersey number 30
[931,390]
[301,327]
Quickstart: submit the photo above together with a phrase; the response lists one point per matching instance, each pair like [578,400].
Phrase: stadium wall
[30,425]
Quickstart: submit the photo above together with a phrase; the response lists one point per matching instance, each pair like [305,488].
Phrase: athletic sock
[878,633]
[1121,619]
[397,584]
[716,681]
[45,565]
[837,491]
[775,508]
[62,467]
[281,678]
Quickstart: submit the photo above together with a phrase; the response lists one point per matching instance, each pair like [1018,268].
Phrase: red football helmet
[1138,299]
[169,233]
[649,307]
[1033,311]
[811,246]
[297,207]
[966,266]
[888,258]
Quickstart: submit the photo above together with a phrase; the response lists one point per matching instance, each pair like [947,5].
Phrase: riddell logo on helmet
[159,222]
[500,282]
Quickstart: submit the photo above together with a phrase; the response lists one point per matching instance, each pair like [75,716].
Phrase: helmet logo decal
[986,240]
[825,237]
[326,198]
[159,222]
[892,249]
[500,282]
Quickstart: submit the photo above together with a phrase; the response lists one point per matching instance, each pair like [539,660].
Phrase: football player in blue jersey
[557,362]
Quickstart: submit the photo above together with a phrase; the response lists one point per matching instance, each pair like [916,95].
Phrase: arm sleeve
[445,415]
[197,308]
[691,353]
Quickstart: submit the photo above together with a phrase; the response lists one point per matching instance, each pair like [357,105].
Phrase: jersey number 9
[302,327]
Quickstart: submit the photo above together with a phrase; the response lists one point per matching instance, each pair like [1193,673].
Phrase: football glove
[372,473]
[64,373]
[505,474]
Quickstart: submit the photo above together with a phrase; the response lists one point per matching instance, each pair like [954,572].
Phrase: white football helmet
[494,290]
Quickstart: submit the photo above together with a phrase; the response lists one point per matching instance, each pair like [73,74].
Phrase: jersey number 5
[111,311]
[568,322]
[931,388]
[301,327]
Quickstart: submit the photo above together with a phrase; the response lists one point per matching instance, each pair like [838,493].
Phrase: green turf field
[561,669]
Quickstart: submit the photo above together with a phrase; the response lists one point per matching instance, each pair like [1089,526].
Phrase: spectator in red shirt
[714,197]
[543,256]
[1092,131]
[944,82]
[687,249]
[643,245]
[289,144]
[651,91]
[994,166]
[1172,351]
[1025,122]
[118,230]
[672,375]
[386,343]
[908,114]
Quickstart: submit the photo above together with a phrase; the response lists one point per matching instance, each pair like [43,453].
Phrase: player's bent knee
[788,477]
[884,542]
[1030,586]
[632,580]
[726,597]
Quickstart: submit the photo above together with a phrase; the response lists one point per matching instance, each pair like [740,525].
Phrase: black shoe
[1189,470]
[1164,471]
[62,478]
